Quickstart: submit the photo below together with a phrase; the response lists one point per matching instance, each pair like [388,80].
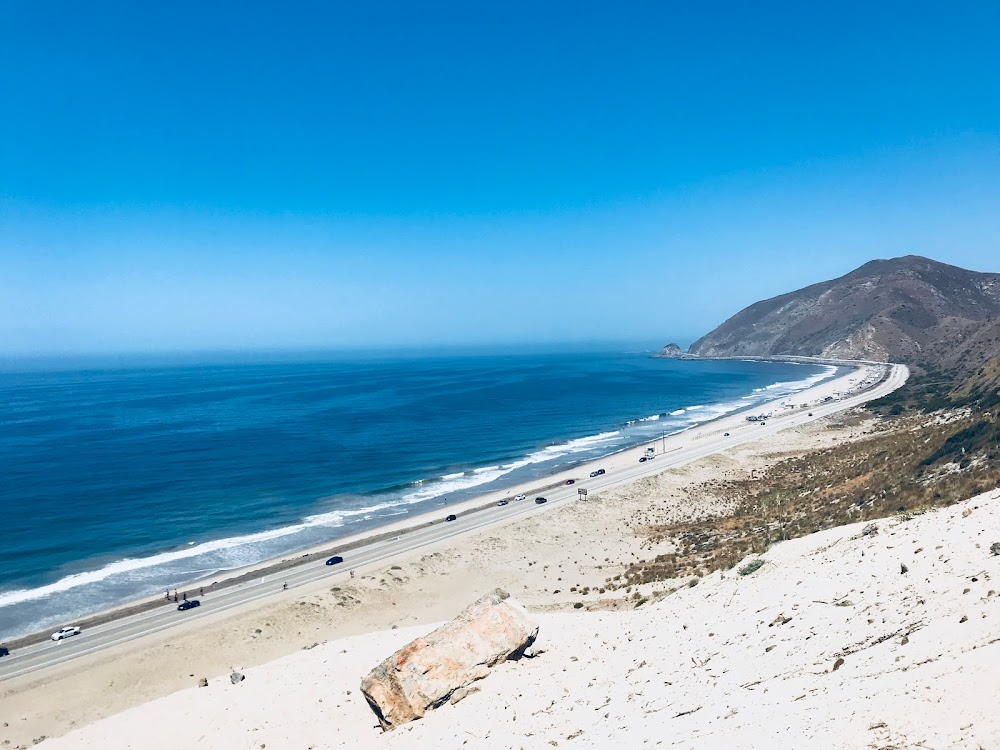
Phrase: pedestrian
[167,594]
[201,592]
[352,574]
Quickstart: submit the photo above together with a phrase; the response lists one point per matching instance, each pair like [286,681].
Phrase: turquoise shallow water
[122,482]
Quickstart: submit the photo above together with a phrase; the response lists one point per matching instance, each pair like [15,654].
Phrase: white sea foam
[129,565]
[244,549]
[798,385]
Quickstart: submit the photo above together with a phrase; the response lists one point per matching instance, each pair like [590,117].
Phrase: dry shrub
[912,464]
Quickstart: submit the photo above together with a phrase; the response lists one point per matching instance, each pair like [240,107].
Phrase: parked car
[4,651]
[189,604]
[520,497]
[451,518]
[67,632]
[570,481]
[502,503]
[540,500]
[335,560]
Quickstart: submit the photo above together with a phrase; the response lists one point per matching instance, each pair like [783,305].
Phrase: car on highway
[451,518]
[4,651]
[67,632]
[643,459]
[570,481]
[189,604]
[596,473]
[810,414]
[502,503]
[335,560]
[520,497]
[725,434]
[540,500]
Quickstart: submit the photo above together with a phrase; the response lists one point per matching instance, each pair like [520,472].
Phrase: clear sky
[254,175]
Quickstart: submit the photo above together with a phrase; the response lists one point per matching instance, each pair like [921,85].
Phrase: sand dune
[828,644]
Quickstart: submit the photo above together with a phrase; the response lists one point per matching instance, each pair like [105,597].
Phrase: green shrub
[751,566]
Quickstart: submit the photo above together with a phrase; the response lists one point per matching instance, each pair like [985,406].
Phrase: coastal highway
[94,639]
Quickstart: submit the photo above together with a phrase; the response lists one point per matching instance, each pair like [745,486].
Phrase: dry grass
[912,464]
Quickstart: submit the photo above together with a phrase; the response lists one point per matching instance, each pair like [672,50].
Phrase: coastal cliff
[908,309]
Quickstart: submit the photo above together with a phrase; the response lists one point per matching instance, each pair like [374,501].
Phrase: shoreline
[554,558]
[785,358]
[291,561]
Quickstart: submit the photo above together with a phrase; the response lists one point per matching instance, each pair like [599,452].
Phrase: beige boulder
[427,671]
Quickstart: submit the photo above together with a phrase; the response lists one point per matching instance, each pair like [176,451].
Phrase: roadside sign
[581,492]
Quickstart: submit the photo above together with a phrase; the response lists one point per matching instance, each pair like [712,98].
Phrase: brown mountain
[908,309]
[977,359]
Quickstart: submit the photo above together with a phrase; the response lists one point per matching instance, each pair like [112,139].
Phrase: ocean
[119,482]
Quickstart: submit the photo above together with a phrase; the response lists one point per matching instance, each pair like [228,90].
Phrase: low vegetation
[751,567]
[910,464]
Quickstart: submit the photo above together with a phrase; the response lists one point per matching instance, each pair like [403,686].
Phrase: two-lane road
[97,638]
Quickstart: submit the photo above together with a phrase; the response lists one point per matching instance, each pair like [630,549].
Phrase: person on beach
[352,574]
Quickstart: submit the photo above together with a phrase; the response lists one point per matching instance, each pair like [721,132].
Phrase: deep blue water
[121,482]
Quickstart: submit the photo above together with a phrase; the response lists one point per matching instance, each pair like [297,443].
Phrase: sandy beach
[551,560]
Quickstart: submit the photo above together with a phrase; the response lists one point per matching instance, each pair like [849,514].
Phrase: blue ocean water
[122,482]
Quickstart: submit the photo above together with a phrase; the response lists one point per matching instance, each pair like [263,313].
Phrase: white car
[66,632]
[519,497]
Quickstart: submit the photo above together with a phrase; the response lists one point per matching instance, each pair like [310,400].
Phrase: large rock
[423,674]
[670,351]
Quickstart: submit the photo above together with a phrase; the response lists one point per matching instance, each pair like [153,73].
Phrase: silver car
[66,632]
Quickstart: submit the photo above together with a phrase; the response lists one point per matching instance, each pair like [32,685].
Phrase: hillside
[879,635]
[908,309]
[979,357]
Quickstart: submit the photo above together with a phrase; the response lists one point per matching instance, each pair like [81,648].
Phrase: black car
[570,481]
[451,518]
[189,604]
[643,459]
[4,651]
[597,473]
[540,500]
[810,414]
[334,560]
[725,434]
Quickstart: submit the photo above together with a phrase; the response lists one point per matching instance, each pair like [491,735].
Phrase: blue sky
[241,176]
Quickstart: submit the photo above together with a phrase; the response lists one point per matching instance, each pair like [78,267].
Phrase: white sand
[706,667]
